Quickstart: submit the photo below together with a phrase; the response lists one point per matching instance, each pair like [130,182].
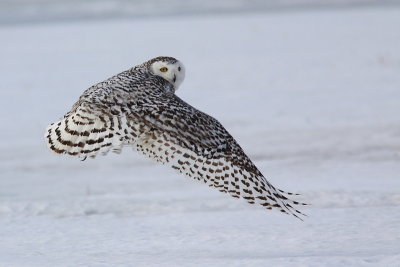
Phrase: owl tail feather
[81,134]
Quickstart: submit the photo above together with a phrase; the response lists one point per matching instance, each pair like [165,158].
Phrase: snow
[312,96]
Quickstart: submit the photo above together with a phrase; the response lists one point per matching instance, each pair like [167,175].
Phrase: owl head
[168,68]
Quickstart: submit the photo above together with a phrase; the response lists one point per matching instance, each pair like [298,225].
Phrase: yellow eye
[164,69]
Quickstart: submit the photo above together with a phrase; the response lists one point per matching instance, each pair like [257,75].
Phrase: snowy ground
[312,96]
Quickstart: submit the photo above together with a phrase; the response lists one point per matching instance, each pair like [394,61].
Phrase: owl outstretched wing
[198,146]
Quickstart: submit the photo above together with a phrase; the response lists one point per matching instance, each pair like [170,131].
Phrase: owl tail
[82,134]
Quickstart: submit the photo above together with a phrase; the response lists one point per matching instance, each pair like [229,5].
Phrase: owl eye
[164,69]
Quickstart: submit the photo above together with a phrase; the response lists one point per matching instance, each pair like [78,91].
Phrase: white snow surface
[313,97]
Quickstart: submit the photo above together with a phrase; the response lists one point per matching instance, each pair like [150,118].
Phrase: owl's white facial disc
[172,72]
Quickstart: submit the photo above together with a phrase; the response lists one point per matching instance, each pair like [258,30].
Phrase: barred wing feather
[199,147]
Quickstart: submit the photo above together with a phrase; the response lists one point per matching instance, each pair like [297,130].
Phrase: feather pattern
[139,108]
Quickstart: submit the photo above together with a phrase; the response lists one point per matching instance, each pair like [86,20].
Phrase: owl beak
[174,79]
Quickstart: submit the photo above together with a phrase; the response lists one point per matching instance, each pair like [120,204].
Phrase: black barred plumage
[139,108]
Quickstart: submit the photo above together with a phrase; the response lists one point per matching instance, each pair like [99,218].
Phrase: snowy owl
[139,108]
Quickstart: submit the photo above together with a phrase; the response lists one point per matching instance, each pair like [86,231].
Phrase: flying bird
[139,108]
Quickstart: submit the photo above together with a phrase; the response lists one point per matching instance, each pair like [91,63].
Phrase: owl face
[170,69]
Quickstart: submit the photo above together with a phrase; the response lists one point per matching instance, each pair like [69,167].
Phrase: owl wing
[198,146]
